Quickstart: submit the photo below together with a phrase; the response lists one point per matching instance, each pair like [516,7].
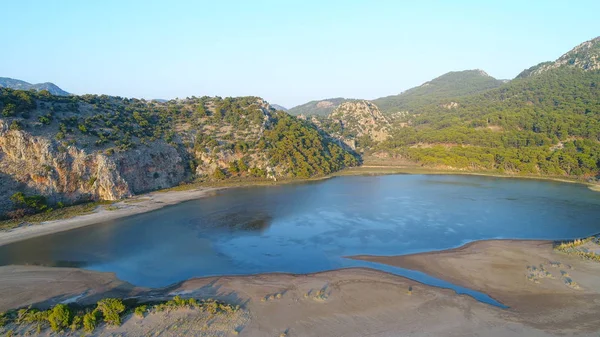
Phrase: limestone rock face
[40,166]
[360,118]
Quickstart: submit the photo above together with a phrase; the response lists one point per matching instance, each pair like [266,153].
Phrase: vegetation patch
[53,214]
[108,311]
[588,248]
[320,295]
[535,273]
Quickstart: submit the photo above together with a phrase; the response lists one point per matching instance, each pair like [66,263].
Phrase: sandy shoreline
[357,301]
[547,288]
[139,204]
[405,169]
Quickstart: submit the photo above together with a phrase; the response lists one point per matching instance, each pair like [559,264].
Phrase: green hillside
[544,124]
[450,85]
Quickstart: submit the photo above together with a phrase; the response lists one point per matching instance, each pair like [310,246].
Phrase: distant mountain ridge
[279,107]
[11,83]
[319,108]
[449,85]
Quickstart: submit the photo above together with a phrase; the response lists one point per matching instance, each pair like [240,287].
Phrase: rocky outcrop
[318,108]
[585,56]
[360,118]
[449,106]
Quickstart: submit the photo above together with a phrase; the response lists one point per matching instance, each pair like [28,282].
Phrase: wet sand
[356,301]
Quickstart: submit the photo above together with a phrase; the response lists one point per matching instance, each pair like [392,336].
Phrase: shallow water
[304,228]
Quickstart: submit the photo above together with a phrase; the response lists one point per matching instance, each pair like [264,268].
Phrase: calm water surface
[310,227]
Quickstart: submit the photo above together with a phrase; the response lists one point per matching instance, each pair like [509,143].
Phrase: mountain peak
[585,56]
[482,73]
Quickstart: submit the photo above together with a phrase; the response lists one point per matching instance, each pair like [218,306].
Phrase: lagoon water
[303,228]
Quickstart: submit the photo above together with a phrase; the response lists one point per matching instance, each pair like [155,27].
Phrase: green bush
[31,316]
[77,323]
[9,110]
[111,309]
[140,311]
[218,174]
[15,125]
[233,167]
[90,321]
[59,317]
[242,166]
[35,202]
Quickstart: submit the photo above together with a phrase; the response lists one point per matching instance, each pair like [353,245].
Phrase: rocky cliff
[70,174]
[361,118]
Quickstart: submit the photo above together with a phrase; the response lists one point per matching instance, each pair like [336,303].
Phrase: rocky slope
[585,56]
[80,148]
[279,107]
[318,108]
[11,83]
[357,124]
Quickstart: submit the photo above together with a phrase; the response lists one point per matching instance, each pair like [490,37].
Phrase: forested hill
[450,85]
[52,88]
[318,108]
[547,122]
[68,149]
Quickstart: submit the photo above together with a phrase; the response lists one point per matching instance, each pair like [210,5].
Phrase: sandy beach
[139,204]
[548,289]
[354,302]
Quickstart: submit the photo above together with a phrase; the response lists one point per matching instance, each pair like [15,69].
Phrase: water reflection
[306,228]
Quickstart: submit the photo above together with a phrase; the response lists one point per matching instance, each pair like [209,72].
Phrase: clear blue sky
[288,52]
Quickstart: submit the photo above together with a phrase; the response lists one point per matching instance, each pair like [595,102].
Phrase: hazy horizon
[288,54]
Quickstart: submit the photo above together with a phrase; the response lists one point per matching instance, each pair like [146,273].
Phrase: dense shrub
[111,309]
[59,317]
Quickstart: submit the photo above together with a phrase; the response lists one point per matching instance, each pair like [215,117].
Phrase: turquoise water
[310,227]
